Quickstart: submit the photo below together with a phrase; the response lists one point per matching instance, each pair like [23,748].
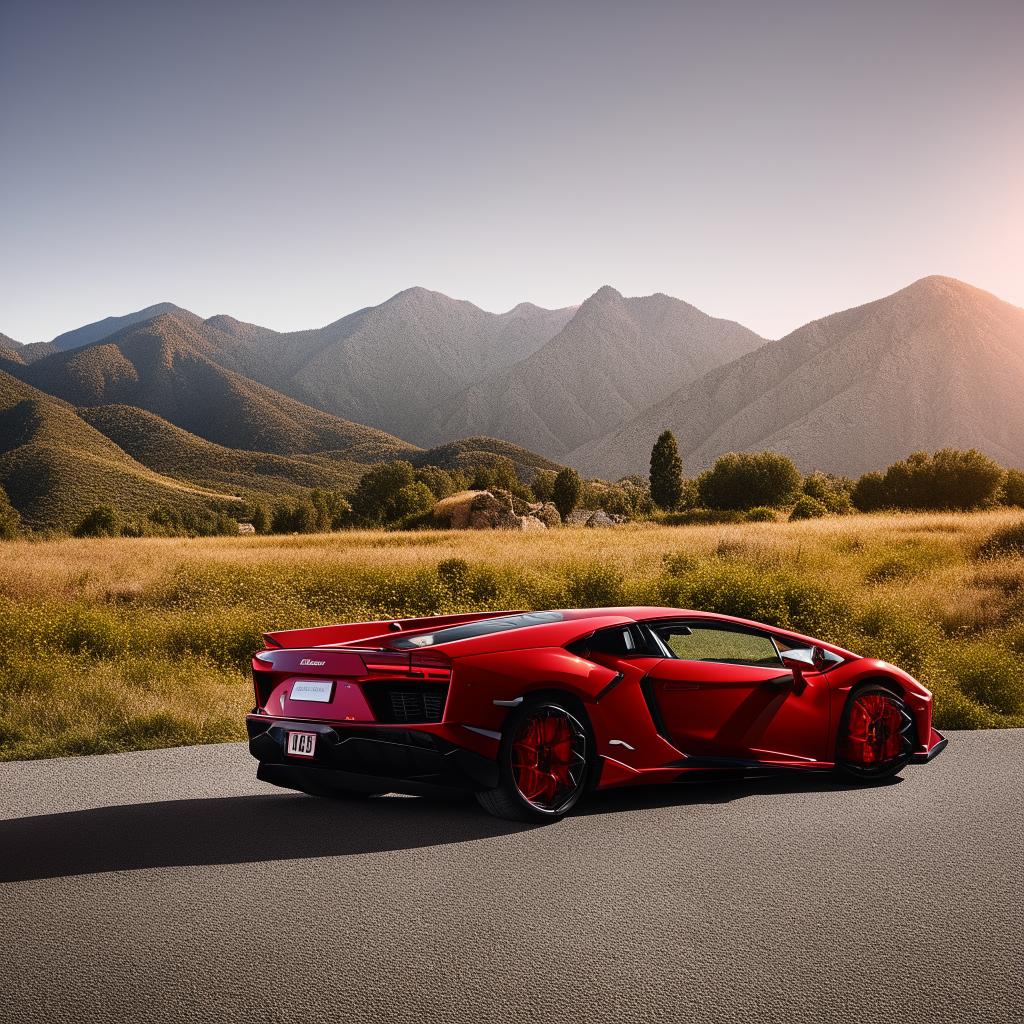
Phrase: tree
[666,472]
[963,479]
[331,507]
[415,499]
[869,492]
[101,521]
[831,491]
[261,519]
[807,507]
[373,500]
[440,481]
[495,471]
[742,480]
[565,492]
[950,479]
[1013,488]
[543,485]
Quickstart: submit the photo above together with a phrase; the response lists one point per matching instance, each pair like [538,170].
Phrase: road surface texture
[170,885]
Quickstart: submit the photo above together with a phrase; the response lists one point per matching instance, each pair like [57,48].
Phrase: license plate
[302,744]
[312,689]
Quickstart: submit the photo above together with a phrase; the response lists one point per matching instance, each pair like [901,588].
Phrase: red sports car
[530,710]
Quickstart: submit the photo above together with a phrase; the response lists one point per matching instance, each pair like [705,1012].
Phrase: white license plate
[302,744]
[312,689]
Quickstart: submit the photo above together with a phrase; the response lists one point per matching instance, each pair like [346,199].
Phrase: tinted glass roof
[470,629]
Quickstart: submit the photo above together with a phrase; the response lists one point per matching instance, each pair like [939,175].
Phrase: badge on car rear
[317,690]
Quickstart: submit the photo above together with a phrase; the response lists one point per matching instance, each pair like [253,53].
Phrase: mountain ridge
[853,391]
[616,356]
[54,466]
[166,365]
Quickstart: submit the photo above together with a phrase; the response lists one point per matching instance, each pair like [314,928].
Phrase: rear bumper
[936,746]
[398,759]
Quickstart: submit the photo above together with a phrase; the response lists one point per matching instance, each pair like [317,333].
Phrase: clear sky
[289,162]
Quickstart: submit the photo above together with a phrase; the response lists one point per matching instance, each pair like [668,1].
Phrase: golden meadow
[122,644]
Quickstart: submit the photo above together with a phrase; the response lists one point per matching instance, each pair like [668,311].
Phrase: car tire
[545,762]
[876,736]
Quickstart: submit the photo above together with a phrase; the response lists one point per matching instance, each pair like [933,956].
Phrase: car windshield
[479,628]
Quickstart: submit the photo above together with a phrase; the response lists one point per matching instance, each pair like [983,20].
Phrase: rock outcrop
[492,510]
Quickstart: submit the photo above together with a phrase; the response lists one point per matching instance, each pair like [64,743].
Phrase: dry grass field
[120,644]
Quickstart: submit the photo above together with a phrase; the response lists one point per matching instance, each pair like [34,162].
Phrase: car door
[722,691]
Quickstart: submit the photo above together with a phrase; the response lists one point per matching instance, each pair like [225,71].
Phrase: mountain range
[937,364]
[219,406]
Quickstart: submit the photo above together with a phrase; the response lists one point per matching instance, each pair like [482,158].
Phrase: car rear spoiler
[348,633]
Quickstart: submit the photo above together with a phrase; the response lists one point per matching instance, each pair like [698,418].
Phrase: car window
[694,642]
[620,641]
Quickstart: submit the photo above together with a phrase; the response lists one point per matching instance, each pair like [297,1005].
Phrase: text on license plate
[301,744]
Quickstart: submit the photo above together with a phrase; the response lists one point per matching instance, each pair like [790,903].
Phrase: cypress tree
[666,472]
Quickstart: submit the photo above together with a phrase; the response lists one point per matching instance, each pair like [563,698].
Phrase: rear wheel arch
[506,801]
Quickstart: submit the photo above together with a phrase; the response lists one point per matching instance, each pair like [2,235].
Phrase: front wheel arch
[891,687]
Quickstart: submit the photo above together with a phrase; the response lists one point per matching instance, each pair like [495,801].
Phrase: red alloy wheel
[549,757]
[877,731]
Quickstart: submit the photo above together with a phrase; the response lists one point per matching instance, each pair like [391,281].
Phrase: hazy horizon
[770,164]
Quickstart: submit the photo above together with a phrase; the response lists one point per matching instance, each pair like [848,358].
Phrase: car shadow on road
[244,829]
[719,790]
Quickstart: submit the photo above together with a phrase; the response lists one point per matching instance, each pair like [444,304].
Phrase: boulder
[454,511]
[602,519]
[246,528]
[546,512]
[487,510]
[578,517]
[594,519]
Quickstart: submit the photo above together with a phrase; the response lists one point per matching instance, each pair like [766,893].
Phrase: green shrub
[543,485]
[453,573]
[1007,542]
[679,563]
[988,675]
[870,493]
[415,499]
[953,710]
[594,586]
[440,482]
[496,472]
[101,521]
[373,500]
[566,490]
[761,514]
[832,491]
[950,479]
[889,569]
[742,480]
[1013,488]
[808,508]
[887,630]
[765,595]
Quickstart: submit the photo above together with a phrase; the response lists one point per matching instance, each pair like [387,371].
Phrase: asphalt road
[170,885]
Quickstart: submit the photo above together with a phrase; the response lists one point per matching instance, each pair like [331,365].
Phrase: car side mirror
[809,659]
